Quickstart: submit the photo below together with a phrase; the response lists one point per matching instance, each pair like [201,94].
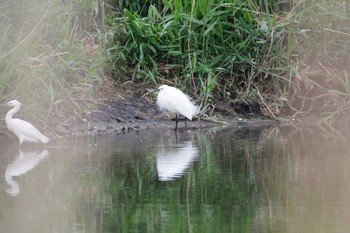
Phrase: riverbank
[122,110]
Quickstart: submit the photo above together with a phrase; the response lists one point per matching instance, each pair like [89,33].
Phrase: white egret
[25,131]
[173,100]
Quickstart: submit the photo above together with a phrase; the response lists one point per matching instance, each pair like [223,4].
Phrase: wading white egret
[25,131]
[173,100]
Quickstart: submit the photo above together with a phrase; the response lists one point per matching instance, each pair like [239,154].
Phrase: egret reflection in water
[24,162]
[172,162]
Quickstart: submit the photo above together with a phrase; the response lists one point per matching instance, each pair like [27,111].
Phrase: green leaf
[209,29]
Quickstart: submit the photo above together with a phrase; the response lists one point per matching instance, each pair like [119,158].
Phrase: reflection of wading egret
[173,162]
[175,101]
[25,162]
[25,131]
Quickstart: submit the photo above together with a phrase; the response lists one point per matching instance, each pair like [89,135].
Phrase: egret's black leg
[185,124]
[175,131]
[177,121]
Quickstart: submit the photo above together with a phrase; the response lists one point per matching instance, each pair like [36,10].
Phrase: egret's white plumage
[173,100]
[25,131]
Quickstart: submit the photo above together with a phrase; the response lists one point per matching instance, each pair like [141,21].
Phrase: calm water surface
[286,179]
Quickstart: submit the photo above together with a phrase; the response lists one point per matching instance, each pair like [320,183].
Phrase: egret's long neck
[10,113]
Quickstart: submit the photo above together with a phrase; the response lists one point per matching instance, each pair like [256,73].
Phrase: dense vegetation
[287,57]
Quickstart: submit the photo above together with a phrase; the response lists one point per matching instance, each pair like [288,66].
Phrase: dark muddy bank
[125,111]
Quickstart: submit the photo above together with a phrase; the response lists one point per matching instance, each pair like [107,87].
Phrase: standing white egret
[173,100]
[25,131]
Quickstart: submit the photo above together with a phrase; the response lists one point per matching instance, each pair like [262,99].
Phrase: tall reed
[321,55]
[50,54]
